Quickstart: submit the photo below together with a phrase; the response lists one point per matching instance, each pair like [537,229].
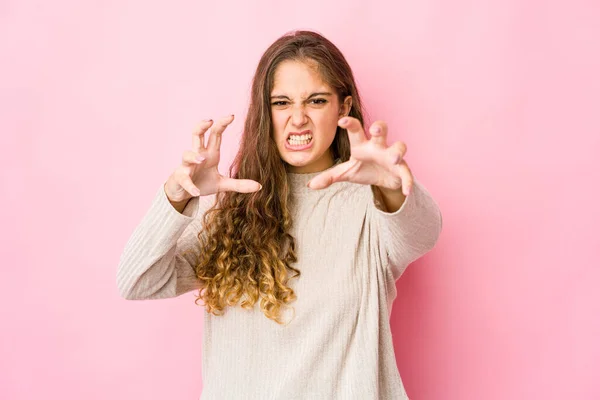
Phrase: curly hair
[246,249]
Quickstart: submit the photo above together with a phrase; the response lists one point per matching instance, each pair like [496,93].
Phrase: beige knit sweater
[338,344]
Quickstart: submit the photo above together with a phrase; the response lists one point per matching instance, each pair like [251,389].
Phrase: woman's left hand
[371,161]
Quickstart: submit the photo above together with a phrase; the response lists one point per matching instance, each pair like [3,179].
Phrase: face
[305,113]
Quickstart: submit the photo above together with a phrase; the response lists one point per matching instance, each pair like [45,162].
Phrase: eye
[319,101]
[279,103]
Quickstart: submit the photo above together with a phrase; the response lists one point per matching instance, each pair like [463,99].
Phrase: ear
[346,106]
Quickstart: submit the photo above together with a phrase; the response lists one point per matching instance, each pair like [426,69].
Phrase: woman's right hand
[198,173]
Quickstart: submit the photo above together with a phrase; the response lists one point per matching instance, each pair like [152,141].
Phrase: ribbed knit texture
[338,344]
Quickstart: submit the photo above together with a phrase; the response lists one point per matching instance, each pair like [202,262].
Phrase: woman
[295,256]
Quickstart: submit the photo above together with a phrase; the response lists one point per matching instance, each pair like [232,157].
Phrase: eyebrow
[311,96]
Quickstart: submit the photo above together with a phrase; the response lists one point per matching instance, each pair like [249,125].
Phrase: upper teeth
[300,137]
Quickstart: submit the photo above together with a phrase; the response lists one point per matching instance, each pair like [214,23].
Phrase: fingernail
[260,186]
[200,158]
[376,129]
[343,121]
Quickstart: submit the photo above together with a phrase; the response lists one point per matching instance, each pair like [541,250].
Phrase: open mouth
[300,140]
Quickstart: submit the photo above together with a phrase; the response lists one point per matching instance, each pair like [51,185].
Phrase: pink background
[498,102]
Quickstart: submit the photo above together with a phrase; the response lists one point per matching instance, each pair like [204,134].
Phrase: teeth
[300,137]
[299,140]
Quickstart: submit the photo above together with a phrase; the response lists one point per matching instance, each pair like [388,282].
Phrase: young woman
[296,254]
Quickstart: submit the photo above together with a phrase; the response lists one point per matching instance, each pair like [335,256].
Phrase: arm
[159,258]
[411,230]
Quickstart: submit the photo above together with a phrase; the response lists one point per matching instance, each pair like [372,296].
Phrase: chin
[298,163]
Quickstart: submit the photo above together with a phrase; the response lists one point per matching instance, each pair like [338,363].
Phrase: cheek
[326,121]
[278,120]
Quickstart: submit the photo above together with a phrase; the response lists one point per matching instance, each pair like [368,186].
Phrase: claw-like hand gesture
[198,173]
[371,162]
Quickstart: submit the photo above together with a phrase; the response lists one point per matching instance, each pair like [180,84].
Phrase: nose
[299,118]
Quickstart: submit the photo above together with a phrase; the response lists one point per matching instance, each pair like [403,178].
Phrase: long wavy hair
[246,250]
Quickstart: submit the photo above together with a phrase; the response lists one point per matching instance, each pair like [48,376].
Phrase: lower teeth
[299,143]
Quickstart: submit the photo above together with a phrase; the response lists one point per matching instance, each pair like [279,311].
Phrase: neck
[326,161]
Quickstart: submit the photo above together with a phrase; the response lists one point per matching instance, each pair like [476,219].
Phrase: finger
[239,185]
[407,177]
[192,158]
[198,135]
[368,153]
[188,185]
[396,152]
[378,131]
[356,134]
[214,140]
[337,173]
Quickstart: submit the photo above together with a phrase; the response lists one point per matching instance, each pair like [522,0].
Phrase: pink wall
[498,102]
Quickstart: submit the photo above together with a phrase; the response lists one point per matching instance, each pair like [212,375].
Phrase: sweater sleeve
[410,232]
[159,258]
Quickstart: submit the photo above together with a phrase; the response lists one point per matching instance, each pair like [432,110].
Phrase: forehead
[298,78]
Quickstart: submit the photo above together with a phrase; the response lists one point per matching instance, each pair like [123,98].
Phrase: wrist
[389,200]
[386,190]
